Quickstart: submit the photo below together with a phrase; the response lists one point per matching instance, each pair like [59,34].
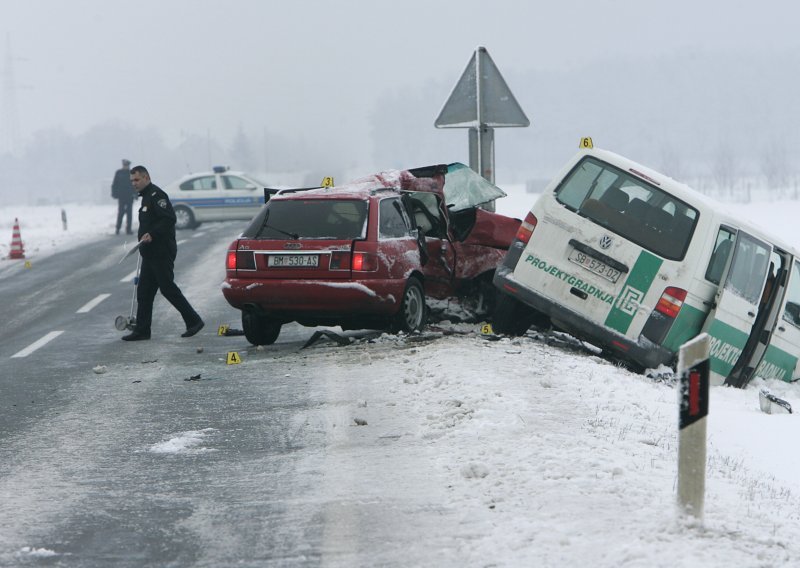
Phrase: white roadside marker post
[693,377]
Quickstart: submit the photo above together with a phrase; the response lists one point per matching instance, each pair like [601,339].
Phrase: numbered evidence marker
[223,329]
[486,329]
[327,182]
[586,143]
[233,358]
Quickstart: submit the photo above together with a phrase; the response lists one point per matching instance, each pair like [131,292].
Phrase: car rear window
[630,207]
[336,219]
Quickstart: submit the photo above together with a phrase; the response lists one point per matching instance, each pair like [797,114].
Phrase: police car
[218,195]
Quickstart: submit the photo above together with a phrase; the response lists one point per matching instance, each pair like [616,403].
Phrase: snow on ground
[561,458]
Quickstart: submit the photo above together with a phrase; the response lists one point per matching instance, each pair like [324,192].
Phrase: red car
[367,254]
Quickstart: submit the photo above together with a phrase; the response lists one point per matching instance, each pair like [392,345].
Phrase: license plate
[594,265]
[292,260]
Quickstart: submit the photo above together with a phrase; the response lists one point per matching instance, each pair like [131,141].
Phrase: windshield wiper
[264,225]
[293,236]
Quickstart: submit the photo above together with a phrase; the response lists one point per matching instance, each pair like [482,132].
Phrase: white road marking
[198,235]
[129,277]
[180,242]
[34,346]
[93,303]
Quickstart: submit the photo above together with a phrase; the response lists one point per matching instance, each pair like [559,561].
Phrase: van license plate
[292,260]
[594,265]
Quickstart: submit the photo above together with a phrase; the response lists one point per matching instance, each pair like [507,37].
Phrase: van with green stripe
[637,263]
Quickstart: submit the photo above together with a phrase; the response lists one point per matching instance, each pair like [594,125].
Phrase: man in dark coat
[122,191]
[158,249]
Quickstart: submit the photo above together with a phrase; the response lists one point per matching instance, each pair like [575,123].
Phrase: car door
[735,314]
[439,270]
[241,198]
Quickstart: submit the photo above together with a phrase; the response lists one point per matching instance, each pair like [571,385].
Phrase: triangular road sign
[481,98]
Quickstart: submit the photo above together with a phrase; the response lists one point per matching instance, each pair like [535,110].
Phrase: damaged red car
[368,254]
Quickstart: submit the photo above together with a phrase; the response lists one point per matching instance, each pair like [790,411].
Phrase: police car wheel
[184,218]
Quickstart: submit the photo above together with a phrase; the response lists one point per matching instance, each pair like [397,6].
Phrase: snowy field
[571,460]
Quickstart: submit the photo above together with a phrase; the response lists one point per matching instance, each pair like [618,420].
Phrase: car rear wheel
[259,329]
[413,310]
[184,218]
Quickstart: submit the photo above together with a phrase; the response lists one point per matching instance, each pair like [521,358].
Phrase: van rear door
[600,245]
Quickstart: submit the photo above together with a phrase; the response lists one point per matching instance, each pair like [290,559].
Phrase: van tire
[512,317]
[184,218]
[259,329]
[413,312]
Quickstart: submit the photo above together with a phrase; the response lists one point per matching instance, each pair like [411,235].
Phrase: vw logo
[605,242]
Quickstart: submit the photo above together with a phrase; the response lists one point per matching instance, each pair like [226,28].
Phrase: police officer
[158,250]
[123,192]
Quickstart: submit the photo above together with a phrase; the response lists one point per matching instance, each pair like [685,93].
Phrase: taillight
[526,228]
[365,262]
[340,260]
[240,260]
[671,301]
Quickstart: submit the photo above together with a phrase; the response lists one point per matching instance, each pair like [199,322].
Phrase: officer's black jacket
[121,187]
[157,217]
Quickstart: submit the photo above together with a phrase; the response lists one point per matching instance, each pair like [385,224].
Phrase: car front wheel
[412,314]
[184,218]
[260,330]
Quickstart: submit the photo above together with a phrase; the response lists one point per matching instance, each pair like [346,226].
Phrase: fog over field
[291,91]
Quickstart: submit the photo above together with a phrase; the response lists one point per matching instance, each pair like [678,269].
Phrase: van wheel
[413,311]
[512,317]
[259,329]
[184,218]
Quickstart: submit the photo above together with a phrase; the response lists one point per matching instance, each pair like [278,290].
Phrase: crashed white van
[636,263]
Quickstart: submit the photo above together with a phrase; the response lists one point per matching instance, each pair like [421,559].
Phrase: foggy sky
[317,70]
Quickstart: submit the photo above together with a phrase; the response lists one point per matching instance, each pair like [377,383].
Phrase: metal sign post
[481,101]
[693,377]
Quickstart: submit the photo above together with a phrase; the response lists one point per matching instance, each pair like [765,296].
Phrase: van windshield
[336,219]
[630,207]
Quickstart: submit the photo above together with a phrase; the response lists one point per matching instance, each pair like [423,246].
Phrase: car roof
[389,181]
[211,173]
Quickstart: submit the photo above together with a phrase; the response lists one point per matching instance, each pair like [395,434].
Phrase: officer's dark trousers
[157,274]
[124,209]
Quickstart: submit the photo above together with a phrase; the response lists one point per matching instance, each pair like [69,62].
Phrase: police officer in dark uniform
[158,249]
[123,192]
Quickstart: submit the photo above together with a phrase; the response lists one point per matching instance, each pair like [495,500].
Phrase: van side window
[722,250]
[629,206]
[748,268]
[791,312]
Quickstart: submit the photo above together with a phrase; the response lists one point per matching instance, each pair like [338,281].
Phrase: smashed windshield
[463,188]
[336,219]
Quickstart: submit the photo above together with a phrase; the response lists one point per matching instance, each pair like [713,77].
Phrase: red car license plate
[291,260]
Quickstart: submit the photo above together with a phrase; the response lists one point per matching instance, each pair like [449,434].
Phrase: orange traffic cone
[16,243]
